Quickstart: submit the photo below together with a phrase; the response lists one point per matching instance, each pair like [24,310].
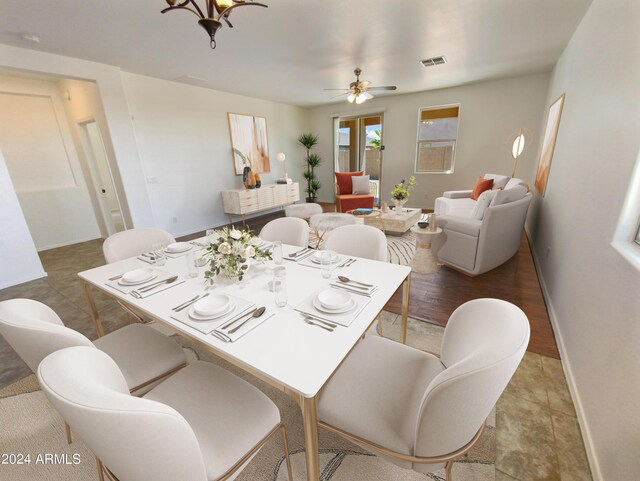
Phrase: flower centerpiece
[400,193]
[230,251]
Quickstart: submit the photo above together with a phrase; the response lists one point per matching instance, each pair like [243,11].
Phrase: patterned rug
[31,426]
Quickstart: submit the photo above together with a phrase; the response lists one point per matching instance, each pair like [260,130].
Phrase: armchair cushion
[482,203]
[509,195]
[349,202]
[343,179]
[462,225]
[360,184]
[499,181]
[457,194]
[480,187]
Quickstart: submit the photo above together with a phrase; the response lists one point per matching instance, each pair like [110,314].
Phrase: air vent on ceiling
[430,62]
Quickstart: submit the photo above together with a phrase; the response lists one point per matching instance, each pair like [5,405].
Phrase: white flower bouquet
[230,251]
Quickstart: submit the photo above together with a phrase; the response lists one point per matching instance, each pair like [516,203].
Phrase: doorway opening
[101,177]
[358,146]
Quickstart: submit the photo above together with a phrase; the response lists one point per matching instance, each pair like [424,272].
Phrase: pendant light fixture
[216,12]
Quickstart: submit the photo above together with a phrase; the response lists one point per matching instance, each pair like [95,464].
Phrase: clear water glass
[159,254]
[276,252]
[192,270]
[280,286]
[326,266]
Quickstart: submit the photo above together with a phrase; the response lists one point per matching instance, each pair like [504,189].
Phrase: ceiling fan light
[224,3]
[367,95]
[360,98]
[351,97]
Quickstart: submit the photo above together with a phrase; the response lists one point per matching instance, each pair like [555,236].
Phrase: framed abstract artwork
[548,144]
[249,143]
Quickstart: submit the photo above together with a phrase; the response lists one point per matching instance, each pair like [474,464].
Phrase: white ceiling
[295,48]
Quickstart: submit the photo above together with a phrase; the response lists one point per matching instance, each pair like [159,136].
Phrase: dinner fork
[312,323]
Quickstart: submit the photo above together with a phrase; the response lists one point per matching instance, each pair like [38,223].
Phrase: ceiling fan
[359,90]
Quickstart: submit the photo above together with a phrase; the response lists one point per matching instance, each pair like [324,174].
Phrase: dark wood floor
[435,296]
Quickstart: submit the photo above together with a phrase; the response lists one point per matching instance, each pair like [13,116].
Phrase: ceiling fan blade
[387,87]
[337,89]
[340,95]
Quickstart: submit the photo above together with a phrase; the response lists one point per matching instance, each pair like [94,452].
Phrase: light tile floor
[538,436]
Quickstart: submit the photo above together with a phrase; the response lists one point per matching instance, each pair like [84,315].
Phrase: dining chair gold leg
[67,429]
[310,422]
[406,289]
[283,433]
[92,307]
[380,325]
[447,470]
[100,470]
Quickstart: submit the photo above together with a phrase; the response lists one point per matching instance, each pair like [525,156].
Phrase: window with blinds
[437,136]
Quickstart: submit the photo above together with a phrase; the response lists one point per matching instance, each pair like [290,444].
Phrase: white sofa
[481,235]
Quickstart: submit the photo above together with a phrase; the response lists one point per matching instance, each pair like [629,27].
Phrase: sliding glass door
[358,146]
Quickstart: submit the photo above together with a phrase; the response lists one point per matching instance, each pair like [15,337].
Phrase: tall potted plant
[308,141]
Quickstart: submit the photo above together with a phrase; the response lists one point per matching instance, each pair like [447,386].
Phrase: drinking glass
[280,286]
[326,266]
[192,270]
[209,233]
[277,252]
[159,254]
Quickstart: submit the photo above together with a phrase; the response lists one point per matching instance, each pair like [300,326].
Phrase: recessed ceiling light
[29,37]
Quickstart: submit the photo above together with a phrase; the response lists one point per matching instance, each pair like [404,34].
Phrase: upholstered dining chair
[144,355]
[416,409]
[133,242]
[358,240]
[201,424]
[288,230]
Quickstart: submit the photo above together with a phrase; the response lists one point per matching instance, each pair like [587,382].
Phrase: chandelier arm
[176,7]
[227,10]
[227,21]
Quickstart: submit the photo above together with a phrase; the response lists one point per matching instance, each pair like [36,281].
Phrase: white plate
[137,276]
[196,317]
[333,299]
[212,305]
[352,305]
[178,247]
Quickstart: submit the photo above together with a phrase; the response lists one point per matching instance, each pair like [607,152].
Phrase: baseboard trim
[568,372]
[70,243]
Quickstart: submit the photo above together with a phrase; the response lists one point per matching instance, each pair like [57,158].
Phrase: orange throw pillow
[481,185]
[343,179]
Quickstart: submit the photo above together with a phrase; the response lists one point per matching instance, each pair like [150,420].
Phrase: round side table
[423,261]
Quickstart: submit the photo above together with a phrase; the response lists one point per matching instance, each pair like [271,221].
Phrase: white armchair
[481,235]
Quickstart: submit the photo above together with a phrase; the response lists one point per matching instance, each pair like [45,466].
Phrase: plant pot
[312,200]
[399,203]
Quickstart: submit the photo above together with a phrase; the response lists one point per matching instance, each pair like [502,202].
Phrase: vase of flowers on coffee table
[401,192]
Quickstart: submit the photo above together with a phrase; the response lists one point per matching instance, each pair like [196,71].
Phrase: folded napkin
[251,324]
[205,327]
[344,319]
[162,276]
[353,287]
[300,257]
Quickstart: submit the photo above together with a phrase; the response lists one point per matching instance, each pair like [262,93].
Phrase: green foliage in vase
[401,191]
[308,141]
[245,160]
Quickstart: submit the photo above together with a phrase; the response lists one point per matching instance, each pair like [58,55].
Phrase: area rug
[31,426]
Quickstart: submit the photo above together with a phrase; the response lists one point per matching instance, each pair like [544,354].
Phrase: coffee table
[397,223]
[373,217]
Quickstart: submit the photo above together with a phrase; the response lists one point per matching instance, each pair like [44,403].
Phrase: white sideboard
[269,196]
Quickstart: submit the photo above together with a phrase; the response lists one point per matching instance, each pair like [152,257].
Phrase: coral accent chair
[345,200]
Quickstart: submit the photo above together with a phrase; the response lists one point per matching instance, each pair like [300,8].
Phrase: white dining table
[286,352]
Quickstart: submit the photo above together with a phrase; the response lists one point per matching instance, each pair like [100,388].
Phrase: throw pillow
[499,181]
[509,195]
[343,179]
[480,187]
[482,204]
[360,185]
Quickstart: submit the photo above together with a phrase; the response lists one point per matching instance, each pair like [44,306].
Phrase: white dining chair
[144,355]
[133,242]
[419,411]
[358,240]
[288,230]
[201,424]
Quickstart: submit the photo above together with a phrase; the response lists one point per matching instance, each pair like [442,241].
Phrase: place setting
[355,286]
[143,282]
[326,258]
[329,308]
[299,255]
[224,316]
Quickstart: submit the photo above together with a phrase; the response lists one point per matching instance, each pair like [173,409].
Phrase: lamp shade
[518,146]
[280,157]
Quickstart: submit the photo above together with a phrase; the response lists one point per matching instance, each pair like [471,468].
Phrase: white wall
[43,163]
[592,292]
[490,112]
[19,261]
[184,143]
